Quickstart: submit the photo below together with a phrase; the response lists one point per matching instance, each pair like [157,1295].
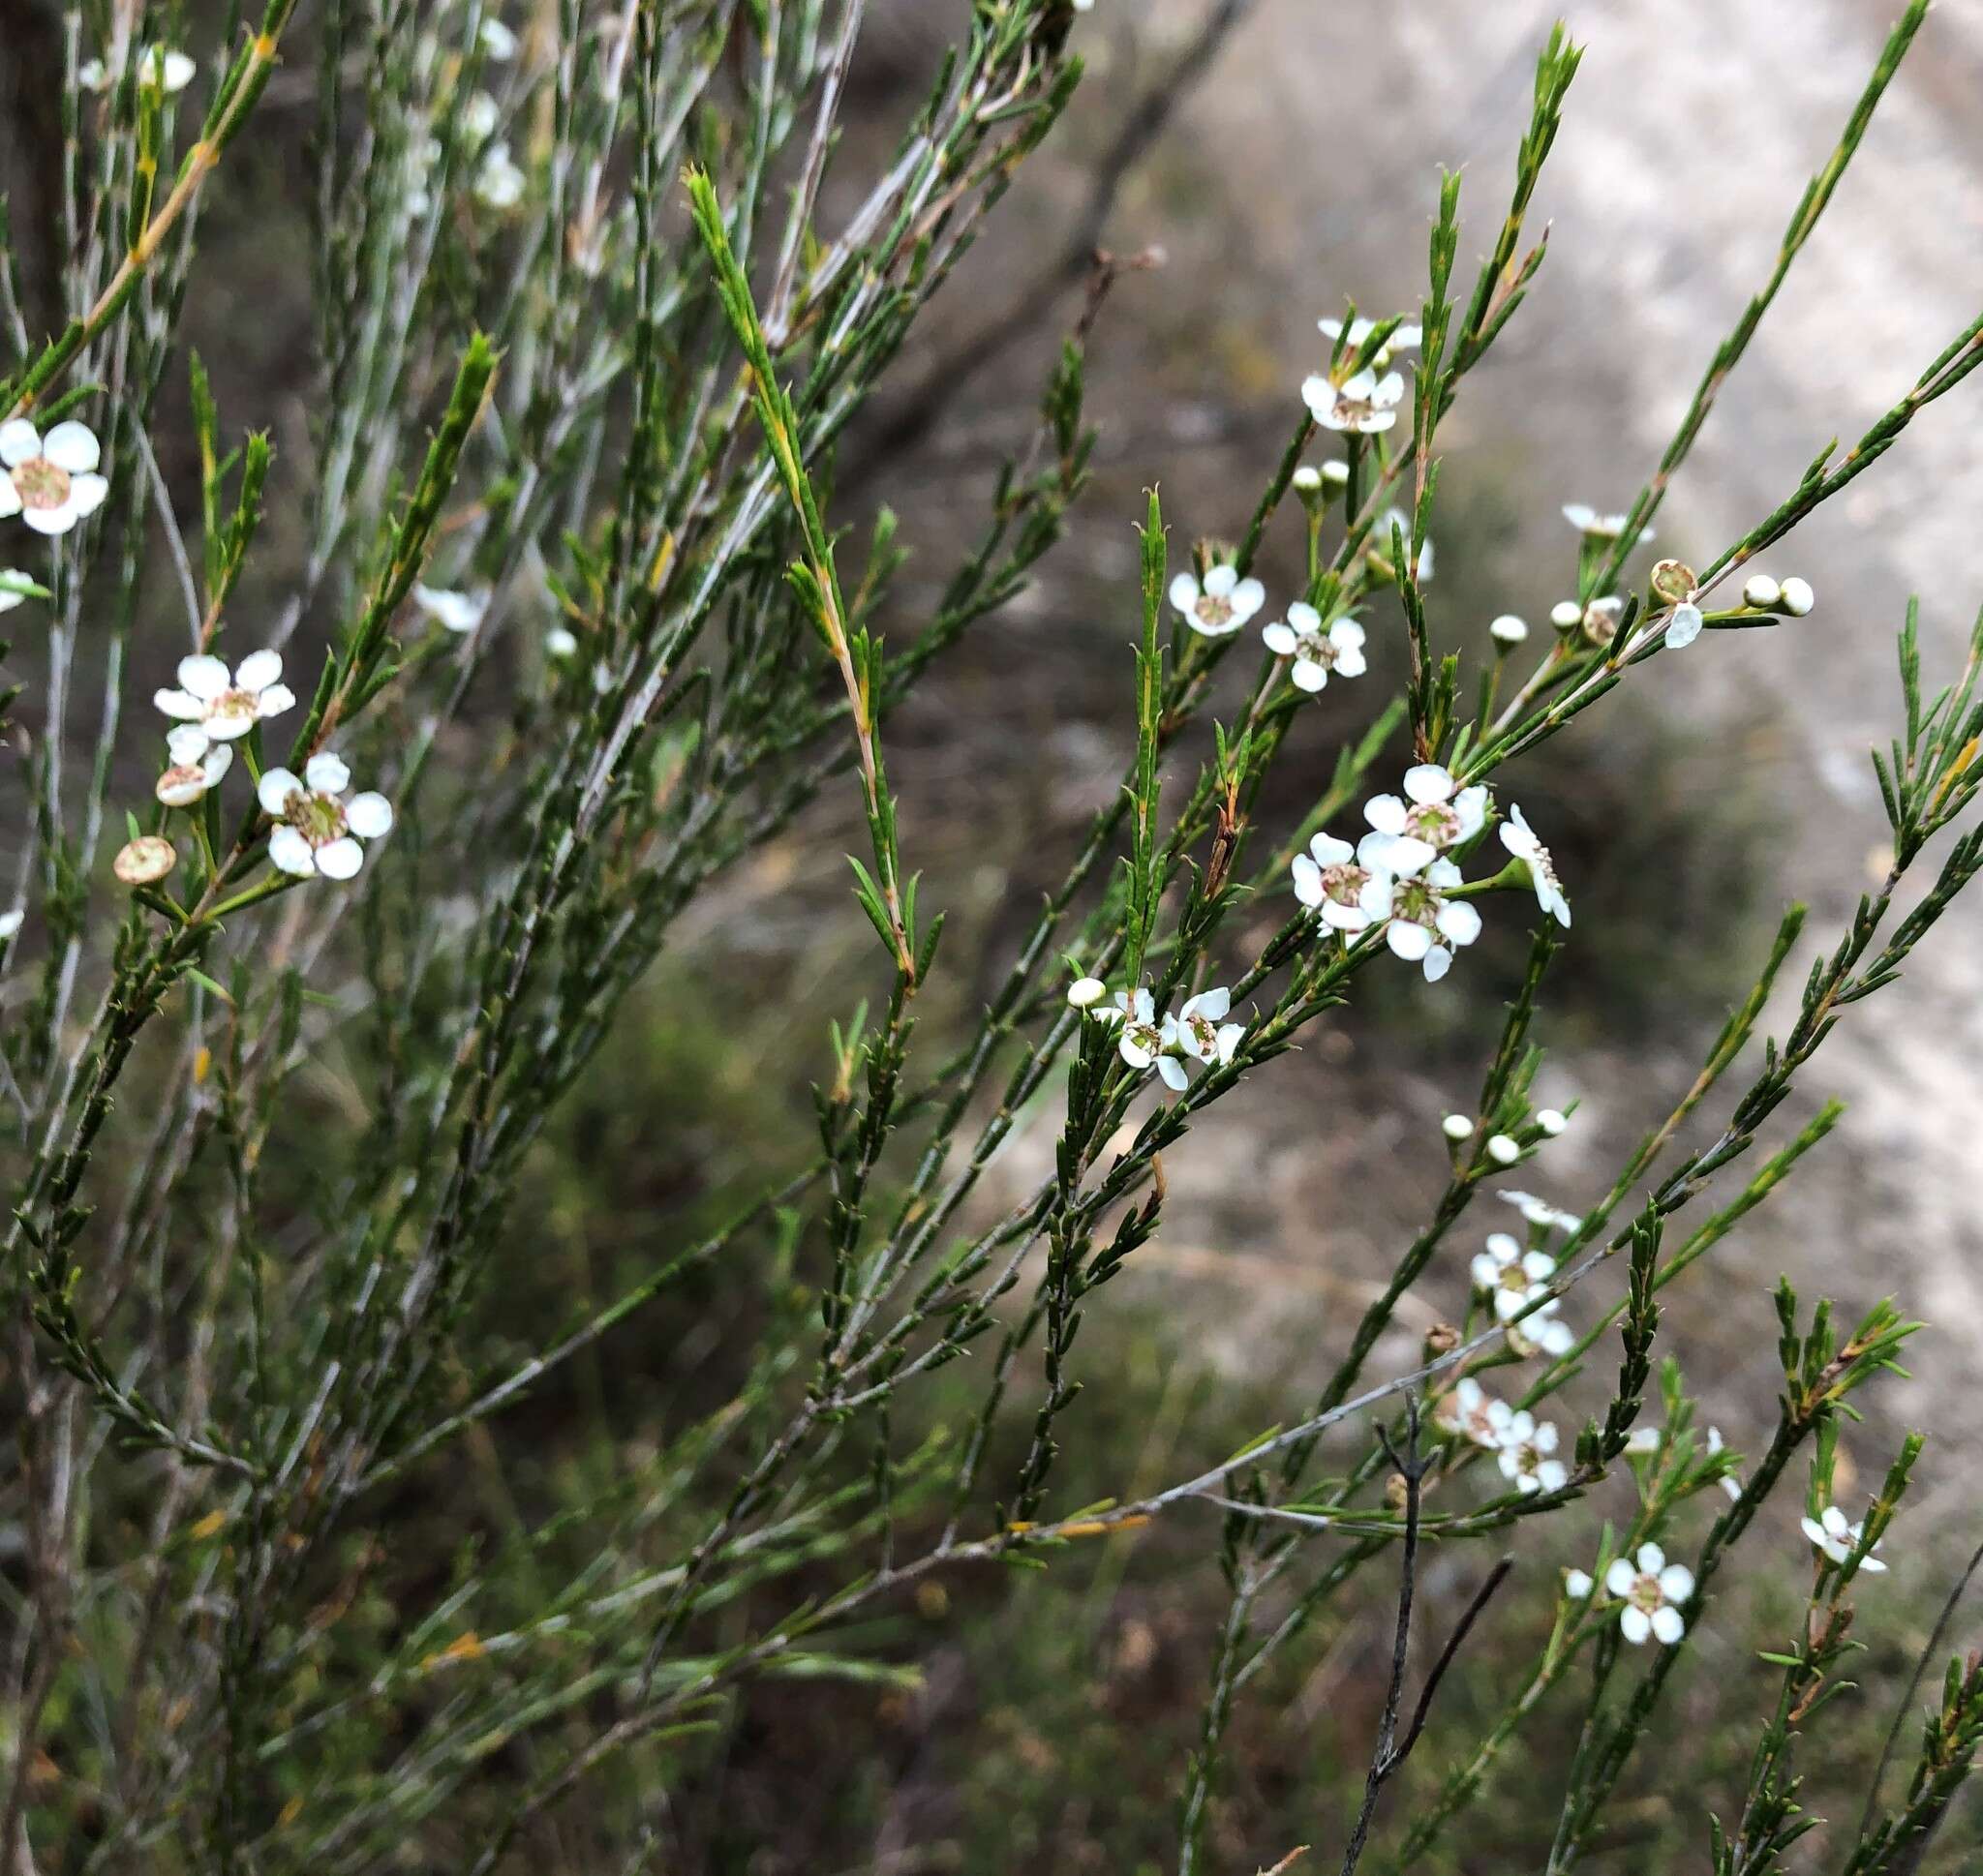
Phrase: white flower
[1588,521]
[1730,1483]
[1682,625]
[1761,591]
[1404,337]
[10,923]
[1317,653]
[1426,927]
[50,482]
[1084,990]
[1513,1279]
[14,585]
[1539,1211]
[1652,1590]
[1519,839]
[455,611]
[1577,1584]
[1329,879]
[1196,1032]
[163,71]
[316,831]
[1223,604]
[498,182]
[217,706]
[1142,1036]
[1456,1127]
[1839,1538]
[1797,598]
[1508,629]
[1526,1445]
[499,43]
[1550,1121]
[1474,1414]
[1502,1150]
[197,765]
[1409,835]
[1364,402]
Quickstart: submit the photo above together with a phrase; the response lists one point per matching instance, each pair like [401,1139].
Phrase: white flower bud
[558,643]
[1550,1121]
[1085,990]
[10,923]
[1336,472]
[1566,615]
[1577,1584]
[1508,629]
[1307,480]
[1760,591]
[1456,1127]
[1502,1150]
[1798,597]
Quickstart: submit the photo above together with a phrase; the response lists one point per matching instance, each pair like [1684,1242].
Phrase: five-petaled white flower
[456,612]
[1364,402]
[1473,1414]
[1519,839]
[50,482]
[1588,521]
[316,831]
[1142,1038]
[162,71]
[1404,337]
[1329,879]
[1317,653]
[1223,604]
[1524,1455]
[197,765]
[1837,1539]
[1409,834]
[1652,1590]
[1426,927]
[219,706]
[1514,1280]
[1539,1211]
[1197,1032]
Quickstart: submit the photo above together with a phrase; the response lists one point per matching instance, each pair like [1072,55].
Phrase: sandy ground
[1305,170]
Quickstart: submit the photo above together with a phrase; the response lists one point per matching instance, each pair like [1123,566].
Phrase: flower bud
[1456,1127]
[1307,482]
[1335,473]
[1397,1492]
[1508,629]
[1085,990]
[146,861]
[1600,620]
[1797,597]
[1550,1121]
[1566,615]
[1673,581]
[1761,591]
[1503,1151]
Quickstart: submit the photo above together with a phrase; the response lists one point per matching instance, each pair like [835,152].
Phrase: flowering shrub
[569,608]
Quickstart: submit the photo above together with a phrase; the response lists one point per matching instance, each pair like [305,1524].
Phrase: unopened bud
[1508,629]
[1761,591]
[1335,473]
[1084,990]
[1503,1151]
[1397,1492]
[1797,598]
[1456,1127]
[1566,615]
[1307,482]
[1550,1121]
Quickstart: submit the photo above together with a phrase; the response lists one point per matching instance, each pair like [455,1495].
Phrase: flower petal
[327,773]
[273,792]
[258,670]
[180,704]
[203,676]
[19,442]
[340,858]
[369,815]
[72,446]
[290,851]
[1634,1625]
